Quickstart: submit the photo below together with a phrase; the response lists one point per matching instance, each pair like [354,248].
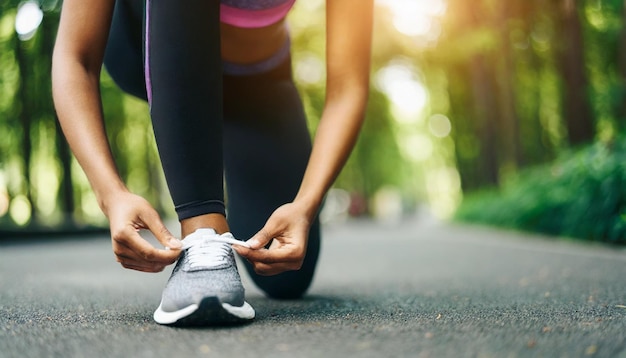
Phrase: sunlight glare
[408,95]
[415,17]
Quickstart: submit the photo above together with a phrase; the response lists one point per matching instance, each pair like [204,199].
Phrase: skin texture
[77,62]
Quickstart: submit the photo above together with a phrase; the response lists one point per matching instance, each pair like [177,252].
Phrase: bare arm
[349,31]
[76,64]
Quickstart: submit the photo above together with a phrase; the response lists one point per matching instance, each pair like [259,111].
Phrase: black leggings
[206,124]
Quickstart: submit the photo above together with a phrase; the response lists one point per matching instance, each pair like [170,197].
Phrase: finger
[129,259]
[153,222]
[240,250]
[267,262]
[260,239]
[273,256]
[133,264]
[252,254]
[275,269]
[125,254]
[142,268]
[143,250]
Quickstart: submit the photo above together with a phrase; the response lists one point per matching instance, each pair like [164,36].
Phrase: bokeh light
[439,125]
[310,69]
[28,19]
[20,209]
[416,17]
[400,83]
[4,196]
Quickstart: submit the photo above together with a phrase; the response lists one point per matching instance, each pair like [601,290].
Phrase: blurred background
[507,113]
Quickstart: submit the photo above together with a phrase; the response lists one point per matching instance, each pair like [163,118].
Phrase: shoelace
[209,250]
[206,254]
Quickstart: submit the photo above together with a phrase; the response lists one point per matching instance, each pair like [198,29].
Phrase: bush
[581,195]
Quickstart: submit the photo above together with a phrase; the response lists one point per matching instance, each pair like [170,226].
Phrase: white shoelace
[209,250]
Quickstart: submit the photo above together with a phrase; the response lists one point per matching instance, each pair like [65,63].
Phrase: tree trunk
[486,114]
[621,70]
[25,117]
[509,123]
[67,186]
[578,115]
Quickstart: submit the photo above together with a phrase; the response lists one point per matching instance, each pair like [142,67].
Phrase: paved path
[412,290]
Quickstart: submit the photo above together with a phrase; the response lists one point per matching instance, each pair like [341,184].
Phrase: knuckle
[117,236]
[120,236]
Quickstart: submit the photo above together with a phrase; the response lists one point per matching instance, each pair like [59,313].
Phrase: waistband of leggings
[278,58]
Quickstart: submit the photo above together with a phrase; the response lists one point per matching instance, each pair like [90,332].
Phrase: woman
[217,77]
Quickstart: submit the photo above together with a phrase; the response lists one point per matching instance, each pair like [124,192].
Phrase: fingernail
[174,243]
[243,244]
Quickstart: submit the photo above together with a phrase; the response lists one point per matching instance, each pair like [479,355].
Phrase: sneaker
[205,287]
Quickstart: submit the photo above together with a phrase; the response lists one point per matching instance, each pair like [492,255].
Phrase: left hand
[289,227]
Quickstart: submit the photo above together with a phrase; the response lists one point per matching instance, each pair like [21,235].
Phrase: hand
[128,214]
[289,228]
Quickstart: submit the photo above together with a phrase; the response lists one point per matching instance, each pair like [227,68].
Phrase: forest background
[502,112]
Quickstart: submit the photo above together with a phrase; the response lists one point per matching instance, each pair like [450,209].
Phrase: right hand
[128,213]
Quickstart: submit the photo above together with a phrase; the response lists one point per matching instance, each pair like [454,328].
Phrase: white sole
[226,313]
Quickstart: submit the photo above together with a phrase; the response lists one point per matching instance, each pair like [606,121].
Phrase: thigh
[266,150]
[123,58]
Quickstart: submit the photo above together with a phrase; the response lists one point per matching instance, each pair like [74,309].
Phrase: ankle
[216,222]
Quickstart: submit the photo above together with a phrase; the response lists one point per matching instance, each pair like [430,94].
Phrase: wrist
[107,197]
[309,204]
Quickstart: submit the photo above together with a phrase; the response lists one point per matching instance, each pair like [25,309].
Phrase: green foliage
[580,195]
[494,68]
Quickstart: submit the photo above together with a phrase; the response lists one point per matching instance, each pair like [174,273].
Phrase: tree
[577,114]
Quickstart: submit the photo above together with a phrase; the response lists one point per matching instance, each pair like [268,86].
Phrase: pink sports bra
[254,13]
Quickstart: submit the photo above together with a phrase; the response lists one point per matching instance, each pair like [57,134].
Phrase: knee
[285,286]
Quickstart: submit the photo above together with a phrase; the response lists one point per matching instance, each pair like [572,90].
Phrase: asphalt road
[414,289]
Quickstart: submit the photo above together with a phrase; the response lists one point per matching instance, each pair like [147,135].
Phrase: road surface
[409,289]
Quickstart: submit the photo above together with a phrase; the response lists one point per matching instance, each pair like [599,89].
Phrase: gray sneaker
[205,287]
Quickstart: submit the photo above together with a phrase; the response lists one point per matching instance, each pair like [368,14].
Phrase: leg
[123,58]
[189,141]
[267,146]
[184,89]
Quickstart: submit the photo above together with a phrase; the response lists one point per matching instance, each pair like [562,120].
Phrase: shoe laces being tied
[207,250]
